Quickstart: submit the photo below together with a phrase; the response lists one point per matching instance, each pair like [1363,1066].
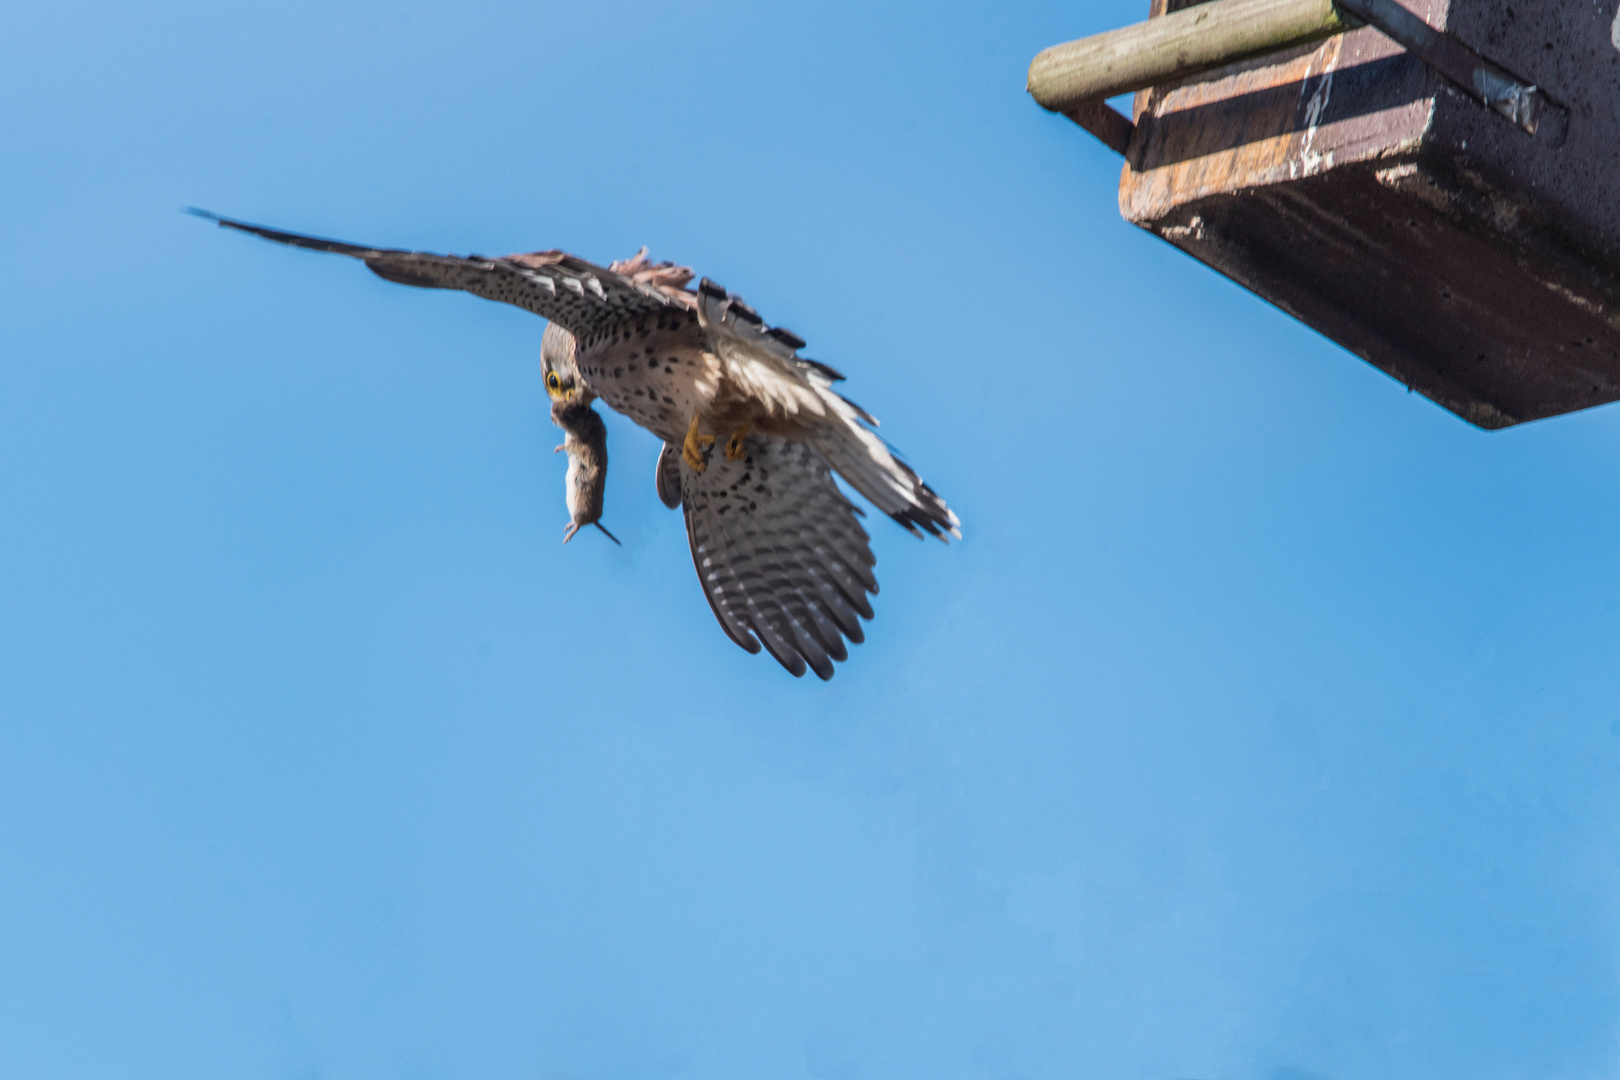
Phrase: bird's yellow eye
[553,383]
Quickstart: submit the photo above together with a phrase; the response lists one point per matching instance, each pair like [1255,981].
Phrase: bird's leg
[735,450]
[692,449]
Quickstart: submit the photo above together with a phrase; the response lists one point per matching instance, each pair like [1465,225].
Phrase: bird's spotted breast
[651,369]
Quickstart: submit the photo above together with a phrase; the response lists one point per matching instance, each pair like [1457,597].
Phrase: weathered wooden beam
[1180,44]
[1353,187]
[1110,126]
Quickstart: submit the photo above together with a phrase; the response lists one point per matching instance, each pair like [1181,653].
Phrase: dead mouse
[586,443]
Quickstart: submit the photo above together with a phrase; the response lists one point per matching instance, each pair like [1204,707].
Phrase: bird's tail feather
[864,460]
[846,442]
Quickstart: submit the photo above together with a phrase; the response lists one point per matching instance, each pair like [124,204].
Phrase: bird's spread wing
[578,295]
[780,552]
[763,360]
[766,361]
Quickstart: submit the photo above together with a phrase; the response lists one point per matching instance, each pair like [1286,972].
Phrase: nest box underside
[1360,192]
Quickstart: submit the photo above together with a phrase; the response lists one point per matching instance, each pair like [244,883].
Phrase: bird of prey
[752,431]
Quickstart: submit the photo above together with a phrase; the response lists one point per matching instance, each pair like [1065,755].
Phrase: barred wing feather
[780,553]
[578,295]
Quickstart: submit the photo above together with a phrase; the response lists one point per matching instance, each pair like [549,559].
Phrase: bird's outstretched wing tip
[599,297]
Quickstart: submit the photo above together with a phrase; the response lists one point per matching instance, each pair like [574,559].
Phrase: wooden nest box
[1436,188]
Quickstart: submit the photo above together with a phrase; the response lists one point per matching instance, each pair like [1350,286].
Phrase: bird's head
[557,366]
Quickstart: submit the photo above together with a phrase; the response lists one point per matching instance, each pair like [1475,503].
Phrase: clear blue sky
[1263,726]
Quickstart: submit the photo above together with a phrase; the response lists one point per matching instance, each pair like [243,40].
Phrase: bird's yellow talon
[692,449]
[735,450]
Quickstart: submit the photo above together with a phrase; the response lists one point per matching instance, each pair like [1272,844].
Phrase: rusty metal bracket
[1525,105]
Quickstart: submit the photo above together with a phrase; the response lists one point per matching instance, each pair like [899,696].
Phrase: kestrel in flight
[752,431]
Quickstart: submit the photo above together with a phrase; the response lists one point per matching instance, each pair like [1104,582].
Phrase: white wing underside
[764,361]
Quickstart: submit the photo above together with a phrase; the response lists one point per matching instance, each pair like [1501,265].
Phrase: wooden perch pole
[1177,45]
